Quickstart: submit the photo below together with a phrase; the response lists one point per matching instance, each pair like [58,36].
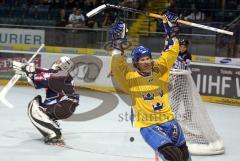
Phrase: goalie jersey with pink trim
[56,83]
[149,95]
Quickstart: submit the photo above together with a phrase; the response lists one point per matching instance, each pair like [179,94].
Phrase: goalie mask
[64,63]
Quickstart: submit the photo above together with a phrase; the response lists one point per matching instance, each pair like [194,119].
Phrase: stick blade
[96,10]
[6,102]
[5,90]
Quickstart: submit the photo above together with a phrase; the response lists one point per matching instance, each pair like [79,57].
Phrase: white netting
[186,102]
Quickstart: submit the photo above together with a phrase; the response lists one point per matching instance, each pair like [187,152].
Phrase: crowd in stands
[70,13]
[200,10]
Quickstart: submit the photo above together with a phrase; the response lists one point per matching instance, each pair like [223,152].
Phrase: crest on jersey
[148,96]
[157,107]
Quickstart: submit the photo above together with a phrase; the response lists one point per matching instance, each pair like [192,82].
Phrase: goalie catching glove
[23,68]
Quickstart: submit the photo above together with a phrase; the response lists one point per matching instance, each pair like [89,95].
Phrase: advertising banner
[218,83]
[22,36]
[227,61]
[215,82]
[6,60]
[203,59]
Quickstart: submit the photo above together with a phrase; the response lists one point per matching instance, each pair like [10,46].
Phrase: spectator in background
[184,57]
[196,15]
[76,19]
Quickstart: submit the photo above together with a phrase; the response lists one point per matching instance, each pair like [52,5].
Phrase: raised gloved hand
[23,68]
[170,24]
[119,31]
[29,68]
[118,35]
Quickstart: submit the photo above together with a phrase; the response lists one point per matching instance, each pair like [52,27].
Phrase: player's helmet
[63,63]
[184,42]
[139,52]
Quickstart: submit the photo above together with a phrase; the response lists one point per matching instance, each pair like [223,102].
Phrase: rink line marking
[156,156]
[102,153]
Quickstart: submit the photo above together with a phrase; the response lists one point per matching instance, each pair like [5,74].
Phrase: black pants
[61,110]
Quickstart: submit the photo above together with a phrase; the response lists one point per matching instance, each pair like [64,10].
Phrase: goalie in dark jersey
[61,99]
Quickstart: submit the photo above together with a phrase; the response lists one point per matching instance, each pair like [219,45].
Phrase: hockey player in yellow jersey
[147,84]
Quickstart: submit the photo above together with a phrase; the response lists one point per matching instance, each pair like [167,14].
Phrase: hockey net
[202,139]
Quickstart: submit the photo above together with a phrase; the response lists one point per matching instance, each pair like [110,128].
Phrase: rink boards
[215,82]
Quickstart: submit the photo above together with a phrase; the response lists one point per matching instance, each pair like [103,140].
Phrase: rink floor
[97,138]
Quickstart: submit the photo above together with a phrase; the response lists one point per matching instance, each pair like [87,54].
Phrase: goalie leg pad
[47,127]
[171,152]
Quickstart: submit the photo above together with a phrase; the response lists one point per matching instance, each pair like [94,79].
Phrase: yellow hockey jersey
[149,95]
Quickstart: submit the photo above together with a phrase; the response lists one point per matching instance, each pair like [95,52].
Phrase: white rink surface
[105,138]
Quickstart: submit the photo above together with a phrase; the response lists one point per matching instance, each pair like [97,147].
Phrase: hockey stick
[14,79]
[154,15]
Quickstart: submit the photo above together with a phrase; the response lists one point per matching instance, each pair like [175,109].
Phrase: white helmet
[64,63]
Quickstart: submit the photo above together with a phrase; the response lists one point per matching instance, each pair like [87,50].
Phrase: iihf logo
[148,96]
[157,107]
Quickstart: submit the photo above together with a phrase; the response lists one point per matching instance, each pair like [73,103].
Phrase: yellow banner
[70,50]
[19,82]
[222,100]
[213,99]
[203,59]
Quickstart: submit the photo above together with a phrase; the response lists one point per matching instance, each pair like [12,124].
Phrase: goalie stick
[154,15]
[14,79]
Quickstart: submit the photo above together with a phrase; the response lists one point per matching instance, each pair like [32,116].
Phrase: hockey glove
[23,68]
[118,35]
[170,24]
[119,31]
